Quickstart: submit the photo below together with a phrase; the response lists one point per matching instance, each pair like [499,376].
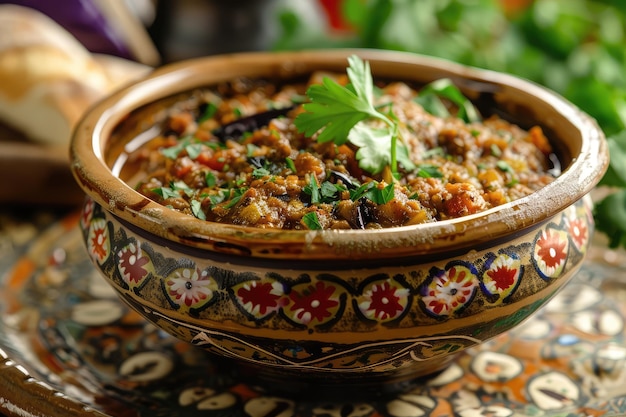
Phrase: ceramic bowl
[350,308]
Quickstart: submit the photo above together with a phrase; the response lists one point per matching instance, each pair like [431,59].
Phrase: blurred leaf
[610,215]
[373,22]
[616,173]
[555,27]
[600,100]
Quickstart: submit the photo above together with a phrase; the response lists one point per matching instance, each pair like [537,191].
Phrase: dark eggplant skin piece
[236,129]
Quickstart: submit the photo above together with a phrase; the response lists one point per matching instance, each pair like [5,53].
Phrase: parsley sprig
[339,114]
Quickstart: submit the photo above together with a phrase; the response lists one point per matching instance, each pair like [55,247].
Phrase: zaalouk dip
[337,152]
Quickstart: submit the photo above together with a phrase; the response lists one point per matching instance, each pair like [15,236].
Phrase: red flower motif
[550,252]
[579,232]
[87,213]
[552,249]
[384,301]
[502,277]
[132,263]
[314,303]
[98,241]
[260,298]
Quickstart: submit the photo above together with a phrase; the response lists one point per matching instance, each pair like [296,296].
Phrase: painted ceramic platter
[70,347]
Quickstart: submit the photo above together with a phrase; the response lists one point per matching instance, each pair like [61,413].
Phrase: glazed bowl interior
[120,123]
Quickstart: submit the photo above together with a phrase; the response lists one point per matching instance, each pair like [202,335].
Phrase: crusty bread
[47,78]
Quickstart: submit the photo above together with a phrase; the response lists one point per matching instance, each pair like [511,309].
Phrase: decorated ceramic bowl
[326,308]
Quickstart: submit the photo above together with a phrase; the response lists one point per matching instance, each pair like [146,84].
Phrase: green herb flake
[210,179]
[496,151]
[236,195]
[434,152]
[504,166]
[251,149]
[174,151]
[291,165]
[260,173]
[362,190]
[328,191]
[215,199]
[311,221]
[182,186]
[512,183]
[208,113]
[313,189]
[429,171]
[430,98]
[196,209]
[166,192]
[387,194]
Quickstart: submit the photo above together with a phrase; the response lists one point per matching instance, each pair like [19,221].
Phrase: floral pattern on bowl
[199,298]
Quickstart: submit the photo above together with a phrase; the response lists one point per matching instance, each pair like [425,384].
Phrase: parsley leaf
[429,171]
[209,111]
[237,194]
[313,189]
[311,221]
[210,179]
[166,192]
[196,209]
[290,164]
[430,98]
[610,216]
[374,193]
[260,173]
[369,155]
[173,151]
[336,112]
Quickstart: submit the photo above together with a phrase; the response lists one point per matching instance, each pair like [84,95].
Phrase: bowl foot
[337,387]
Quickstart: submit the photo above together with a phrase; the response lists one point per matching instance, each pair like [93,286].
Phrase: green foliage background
[574,47]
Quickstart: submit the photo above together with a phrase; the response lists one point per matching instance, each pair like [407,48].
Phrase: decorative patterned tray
[69,347]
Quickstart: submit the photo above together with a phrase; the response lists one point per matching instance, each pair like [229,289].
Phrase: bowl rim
[114,195]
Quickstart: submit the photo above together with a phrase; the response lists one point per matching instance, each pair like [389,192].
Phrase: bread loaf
[47,78]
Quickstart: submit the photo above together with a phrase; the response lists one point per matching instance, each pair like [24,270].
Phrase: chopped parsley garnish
[235,194]
[430,98]
[260,173]
[429,171]
[373,192]
[196,209]
[208,112]
[174,190]
[504,166]
[311,221]
[291,165]
[166,192]
[210,179]
[313,189]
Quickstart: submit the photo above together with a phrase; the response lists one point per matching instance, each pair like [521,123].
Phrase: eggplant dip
[338,151]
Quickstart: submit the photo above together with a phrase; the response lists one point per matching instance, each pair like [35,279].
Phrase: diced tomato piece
[213,160]
[183,167]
